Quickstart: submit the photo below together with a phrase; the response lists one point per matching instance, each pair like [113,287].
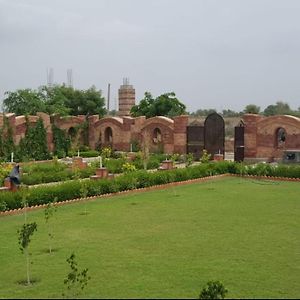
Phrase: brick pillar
[180,127]
[250,135]
[92,139]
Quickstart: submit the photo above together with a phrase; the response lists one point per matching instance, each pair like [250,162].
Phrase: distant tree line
[280,108]
[64,100]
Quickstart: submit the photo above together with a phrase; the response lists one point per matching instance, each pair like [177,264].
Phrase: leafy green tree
[164,105]
[61,142]
[213,290]
[23,102]
[76,280]
[25,233]
[55,100]
[34,144]
[252,109]
[280,108]
[59,99]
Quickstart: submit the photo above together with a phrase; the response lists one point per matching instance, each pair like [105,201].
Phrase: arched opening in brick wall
[280,137]
[72,133]
[108,135]
[156,137]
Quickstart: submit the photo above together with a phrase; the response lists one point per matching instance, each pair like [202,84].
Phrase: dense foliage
[34,144]
[164,105]
[138,179]
[59,99]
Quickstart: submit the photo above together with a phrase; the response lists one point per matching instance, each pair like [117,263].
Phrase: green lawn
[167,243]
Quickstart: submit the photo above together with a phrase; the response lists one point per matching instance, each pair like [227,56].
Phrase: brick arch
[162,127]
[116,126]
[269,125]
[261,136]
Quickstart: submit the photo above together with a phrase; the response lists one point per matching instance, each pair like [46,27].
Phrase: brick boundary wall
[151,188]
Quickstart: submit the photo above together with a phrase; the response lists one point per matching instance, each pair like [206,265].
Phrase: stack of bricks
[218,157]
[8,186]
[102,173]
[77,162]
[166,165]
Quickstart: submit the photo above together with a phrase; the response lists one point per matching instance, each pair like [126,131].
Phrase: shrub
[128,167]
[4,171]
[205,157]
[106,152]
[137,179]
[114,165]
[213,290]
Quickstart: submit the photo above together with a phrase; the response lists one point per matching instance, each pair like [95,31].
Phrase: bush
[135,179]
[205,157]
[128,167]
[90,153]
[213,290]
[114,165]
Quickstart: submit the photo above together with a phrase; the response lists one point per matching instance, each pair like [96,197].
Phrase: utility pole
[108,97]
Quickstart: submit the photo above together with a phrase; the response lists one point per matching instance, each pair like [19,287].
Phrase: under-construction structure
[126,98]
[50,76]
[70,78]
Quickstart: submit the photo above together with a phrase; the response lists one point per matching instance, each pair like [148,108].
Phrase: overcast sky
[212,53]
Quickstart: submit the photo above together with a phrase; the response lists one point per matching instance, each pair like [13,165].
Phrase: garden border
[154,187]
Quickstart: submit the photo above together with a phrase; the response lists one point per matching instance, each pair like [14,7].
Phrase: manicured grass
[166,243]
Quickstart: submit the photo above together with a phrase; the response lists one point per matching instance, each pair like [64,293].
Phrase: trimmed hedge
[138,179]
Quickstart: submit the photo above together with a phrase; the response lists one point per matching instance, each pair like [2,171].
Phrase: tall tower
[50,75]
[126,98]
[69,78]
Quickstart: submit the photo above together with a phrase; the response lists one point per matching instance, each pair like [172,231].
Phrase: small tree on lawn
[76,281]
[49,212]
[25,233]
[213,290]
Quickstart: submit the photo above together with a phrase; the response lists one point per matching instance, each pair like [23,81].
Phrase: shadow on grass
[24,282]
[53,250]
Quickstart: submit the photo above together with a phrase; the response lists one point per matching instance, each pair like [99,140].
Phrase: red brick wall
[261,137]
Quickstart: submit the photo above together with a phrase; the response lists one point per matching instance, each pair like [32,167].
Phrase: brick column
[180,128]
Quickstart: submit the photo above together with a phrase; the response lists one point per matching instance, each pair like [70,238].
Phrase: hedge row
[134,180]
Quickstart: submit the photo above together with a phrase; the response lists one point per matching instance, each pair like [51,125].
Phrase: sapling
[25,233]
[76,280]
[49,212]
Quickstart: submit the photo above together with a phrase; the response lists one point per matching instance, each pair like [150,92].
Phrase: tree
[280,108]
[76,281]
[213,290]
[55,100]
[252,109]
[23,102]
[164,105]
[24,239]
[59,99]
[34,144]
